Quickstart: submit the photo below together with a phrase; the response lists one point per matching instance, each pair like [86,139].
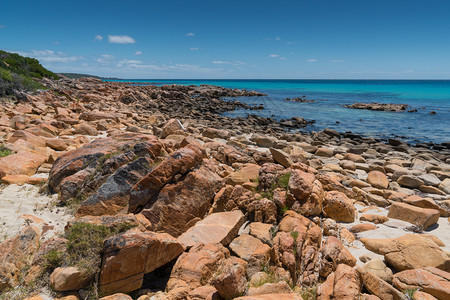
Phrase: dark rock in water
[301,100]
[378,106]
[432,112]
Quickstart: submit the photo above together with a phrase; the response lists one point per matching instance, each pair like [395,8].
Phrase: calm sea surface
[331,95]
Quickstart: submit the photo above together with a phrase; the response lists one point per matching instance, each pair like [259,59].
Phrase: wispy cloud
[274,55]
[55,43]
[49,56]
[194,48]
[98,37]
[121,39]
[138,53]
[128,62]
[190,34]
[311,60]
[277,38]
[106,59]
[225,62]
[337,60]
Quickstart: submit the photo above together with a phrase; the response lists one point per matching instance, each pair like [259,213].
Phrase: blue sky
[331,39]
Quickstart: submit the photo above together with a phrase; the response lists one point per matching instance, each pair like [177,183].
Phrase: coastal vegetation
[19,73]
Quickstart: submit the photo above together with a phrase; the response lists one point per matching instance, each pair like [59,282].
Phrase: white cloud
[337,60]
[49,56]
[274,55]
[128,62]
[106,59]
[224,62]
[190,34]
[55,43]
[121,39]
[194,48]
[311,60]
[282,58]
[98,37]
[138,53]
[277,38]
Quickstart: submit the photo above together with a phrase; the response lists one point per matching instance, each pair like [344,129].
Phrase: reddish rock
[409,252]
[285,296]
[307,193]
[172,126]
[220,227]
[68,279]
[227,154]
[179,162]
[128,256]
[378,179]
[429,280]
[380,288]
[15,254]
[247,246]
[85,129]
[377,219]
[27,136]
[334,253]
[347,284]
[423,217]
[250,172]
[21,163]
[363,227]
[339,207]
[22,179]
[179,204]
[231,280]
[57,144]
[195,268]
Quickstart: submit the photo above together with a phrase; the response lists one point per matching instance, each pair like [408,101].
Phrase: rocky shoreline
[164,198]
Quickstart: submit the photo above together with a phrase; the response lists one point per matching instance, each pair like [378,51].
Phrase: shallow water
[331,95]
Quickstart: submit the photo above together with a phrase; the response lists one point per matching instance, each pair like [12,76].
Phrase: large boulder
[423,217]
[179,205]
[21,163]
[409,252]
[231,278]
[68,279]
[129,256]
[180,162]
[339,207]
[112,196]
[429,280]
[219,227]
[101,155]
[307,193]
[378,287]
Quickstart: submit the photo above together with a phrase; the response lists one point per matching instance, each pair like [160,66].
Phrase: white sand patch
[17,200]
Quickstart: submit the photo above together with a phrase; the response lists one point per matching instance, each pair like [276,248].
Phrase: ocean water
[330,96]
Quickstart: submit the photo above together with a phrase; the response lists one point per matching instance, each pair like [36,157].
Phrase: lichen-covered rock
[180,162]
[339,207]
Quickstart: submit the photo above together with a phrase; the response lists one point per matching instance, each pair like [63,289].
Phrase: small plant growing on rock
[309,292]
[409,293]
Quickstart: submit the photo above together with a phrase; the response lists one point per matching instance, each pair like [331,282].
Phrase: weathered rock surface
[220,227]
[409,252]
[179,203]
[339,207]
[423,217]
[128,256]
[429,280]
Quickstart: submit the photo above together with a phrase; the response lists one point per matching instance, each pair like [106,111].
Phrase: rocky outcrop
[128,256]
[379,106]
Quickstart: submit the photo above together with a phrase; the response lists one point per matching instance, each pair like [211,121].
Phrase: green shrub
[4,151]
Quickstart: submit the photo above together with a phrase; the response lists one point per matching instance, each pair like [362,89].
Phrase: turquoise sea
[331,95]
